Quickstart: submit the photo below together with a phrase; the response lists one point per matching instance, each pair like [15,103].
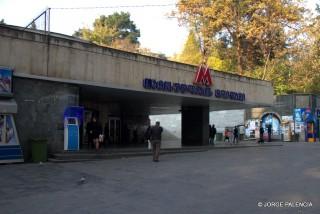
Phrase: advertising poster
[308,115]
[7,135]
[299,114]
[5,81]
[289,119]
[2,130]
[299,118]
[10,150]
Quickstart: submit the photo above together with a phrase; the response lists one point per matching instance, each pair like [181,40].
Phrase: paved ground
[216,181]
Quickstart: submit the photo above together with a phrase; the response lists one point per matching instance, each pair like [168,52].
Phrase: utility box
[39,150]
[71,134]
[286,131]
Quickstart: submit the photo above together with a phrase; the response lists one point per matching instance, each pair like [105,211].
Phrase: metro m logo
[203,76]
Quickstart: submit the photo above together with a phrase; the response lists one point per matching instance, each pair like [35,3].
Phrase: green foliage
[272,40]
[116,30]
[148,52]
[254,30]
[191,54]
[191,51]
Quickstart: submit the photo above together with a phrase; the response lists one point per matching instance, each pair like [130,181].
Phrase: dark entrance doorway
[113,131]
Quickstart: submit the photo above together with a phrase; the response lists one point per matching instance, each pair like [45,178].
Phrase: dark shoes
[155,160]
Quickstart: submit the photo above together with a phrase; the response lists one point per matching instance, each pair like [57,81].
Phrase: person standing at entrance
[210,134]
[269,129]
[226,136]
[213,133]
[147,135]
[155,137]
[261,130]
[235,135]
[95,131]
[89,134]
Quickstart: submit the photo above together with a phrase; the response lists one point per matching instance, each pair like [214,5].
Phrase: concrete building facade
[53,71]
[284,109]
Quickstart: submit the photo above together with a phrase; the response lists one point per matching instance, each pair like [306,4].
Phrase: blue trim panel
[11,157]
[11,152]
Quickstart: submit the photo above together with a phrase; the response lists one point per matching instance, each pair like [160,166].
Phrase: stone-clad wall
[41,105]
[63,57]
[284,105]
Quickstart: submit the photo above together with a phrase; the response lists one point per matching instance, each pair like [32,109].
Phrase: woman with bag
[96,132]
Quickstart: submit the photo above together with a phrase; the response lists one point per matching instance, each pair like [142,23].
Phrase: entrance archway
[273,119]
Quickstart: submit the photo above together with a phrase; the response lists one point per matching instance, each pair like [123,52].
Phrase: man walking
[261,130]
[269,129]
[235,135]
[210,134]
[213,133]
[155,137]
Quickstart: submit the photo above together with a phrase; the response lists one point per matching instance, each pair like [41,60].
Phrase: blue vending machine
[71,134]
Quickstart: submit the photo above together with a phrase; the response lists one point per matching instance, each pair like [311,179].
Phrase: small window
[72,121]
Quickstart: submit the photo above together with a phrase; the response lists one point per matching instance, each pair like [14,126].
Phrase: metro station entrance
[113,131]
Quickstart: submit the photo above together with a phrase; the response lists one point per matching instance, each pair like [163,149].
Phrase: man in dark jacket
[269,129]
[213,133]
[210,134]
[235,135]
[94,130]
[155,137]
[261,130]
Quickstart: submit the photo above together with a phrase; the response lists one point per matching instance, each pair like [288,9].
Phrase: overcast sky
[158,32]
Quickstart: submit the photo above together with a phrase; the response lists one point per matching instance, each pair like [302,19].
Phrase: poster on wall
[5,81]
[299,114]
[289,119]
[299,118]
[10,149]
[7,131]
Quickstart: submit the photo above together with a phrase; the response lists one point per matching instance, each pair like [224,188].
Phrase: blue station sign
[168,86]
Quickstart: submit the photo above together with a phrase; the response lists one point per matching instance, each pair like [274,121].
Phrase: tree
[253,30]
[148,52]
[2,22]
[306,64]
[191,52]
[116,30]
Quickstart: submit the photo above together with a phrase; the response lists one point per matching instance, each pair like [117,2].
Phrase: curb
[119,155]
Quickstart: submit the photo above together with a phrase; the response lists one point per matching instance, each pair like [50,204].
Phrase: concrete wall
[171,137]
[63,57]
[284,105]
[171,123]
[194,126]
[41,105]
[229,118]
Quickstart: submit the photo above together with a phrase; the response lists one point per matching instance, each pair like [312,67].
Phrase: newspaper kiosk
[10,149]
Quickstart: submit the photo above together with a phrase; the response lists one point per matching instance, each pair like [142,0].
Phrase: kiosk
[10,149]
[78,113]
[71,134]
[286,131]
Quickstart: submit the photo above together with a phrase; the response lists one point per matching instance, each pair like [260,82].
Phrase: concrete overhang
[157,103]
[108,74]
[151,102]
